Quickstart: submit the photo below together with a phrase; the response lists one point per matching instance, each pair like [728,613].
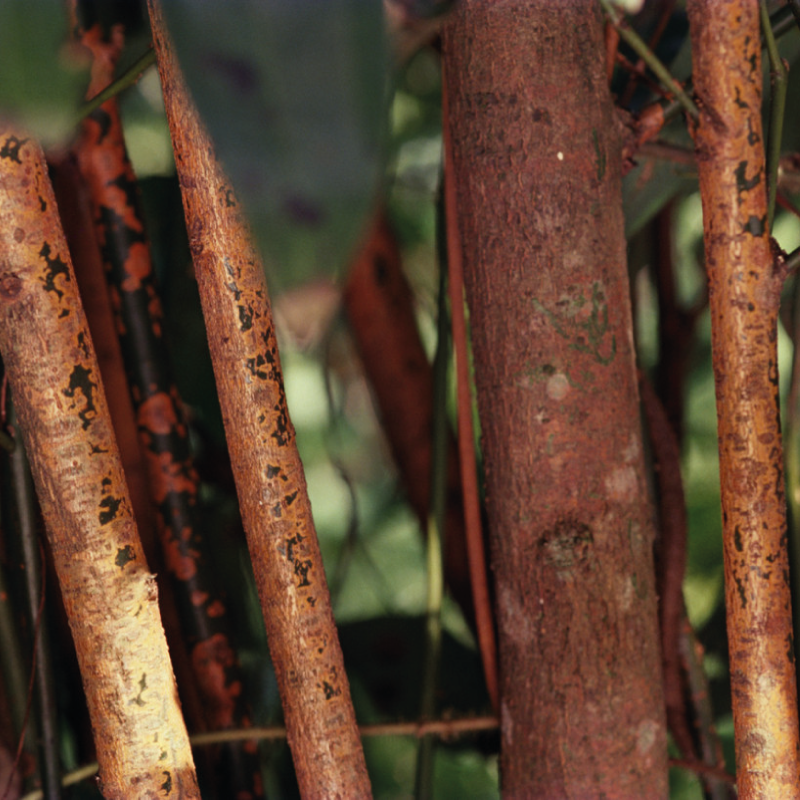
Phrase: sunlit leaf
[294,95]
[43,76]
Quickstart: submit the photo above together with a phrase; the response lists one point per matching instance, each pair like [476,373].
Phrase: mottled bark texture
[109,594]
[162,427]
[537,168]
[744,294]
[270,482]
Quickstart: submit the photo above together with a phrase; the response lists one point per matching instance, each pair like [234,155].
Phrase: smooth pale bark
[109,594]
[537,166]
[745,283]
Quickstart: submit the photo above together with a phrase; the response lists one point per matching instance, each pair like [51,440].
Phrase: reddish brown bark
[109,594]
[484,616]
[162,426]
[744,293]
[276,512]
[537,167]
[380,308]
[671,553]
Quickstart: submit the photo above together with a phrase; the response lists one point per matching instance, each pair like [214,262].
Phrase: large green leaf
[42,75]
[294,94]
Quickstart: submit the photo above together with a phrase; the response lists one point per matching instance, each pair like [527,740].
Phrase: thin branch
[649,57]
[698,767]
[436,521]
[668,152]
[484,621]
[779,82]
[697,686]
[23,509]
[792,261]
[794,6]
[444,728]
[128,78]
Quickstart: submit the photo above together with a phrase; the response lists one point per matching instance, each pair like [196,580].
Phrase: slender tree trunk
[537,167]
[745,284]
[163,431]
[270,482]
[109,594]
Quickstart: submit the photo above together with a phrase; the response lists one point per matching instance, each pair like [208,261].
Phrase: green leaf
[649,186]
[43,75]
[294,95]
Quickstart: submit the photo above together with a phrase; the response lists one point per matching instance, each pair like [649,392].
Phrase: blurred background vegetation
[371,541]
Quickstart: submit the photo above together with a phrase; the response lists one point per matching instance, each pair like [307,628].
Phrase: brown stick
[108,592]
[380,309]
[744,296]
[276,512]
[671,558]
[117,214]
[484,618]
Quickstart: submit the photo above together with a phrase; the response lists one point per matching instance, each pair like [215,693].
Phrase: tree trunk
[270,481]
[537,167]
[162,427]
[109,594]
[745,284]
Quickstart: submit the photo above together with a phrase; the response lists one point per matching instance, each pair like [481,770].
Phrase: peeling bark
[162,427]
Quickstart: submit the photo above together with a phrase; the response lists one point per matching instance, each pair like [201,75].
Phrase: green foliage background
[370,540]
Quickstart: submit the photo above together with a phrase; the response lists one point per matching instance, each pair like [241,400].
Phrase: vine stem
[779,83]
[484,619]
[128,78]
[649,57]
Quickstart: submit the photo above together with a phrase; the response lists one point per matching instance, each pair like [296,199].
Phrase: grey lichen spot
[586,334]
[138,700]
[756,226]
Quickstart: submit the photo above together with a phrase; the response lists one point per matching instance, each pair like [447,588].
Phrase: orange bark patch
[157,414]
[210,660]
[179,557]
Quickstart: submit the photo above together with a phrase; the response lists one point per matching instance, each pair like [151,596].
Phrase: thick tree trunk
[537,166]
